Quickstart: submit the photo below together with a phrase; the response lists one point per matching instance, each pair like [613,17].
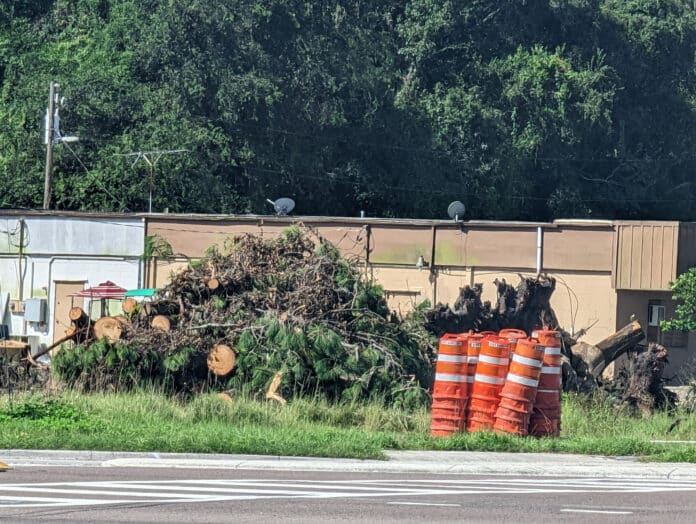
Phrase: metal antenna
[151,158]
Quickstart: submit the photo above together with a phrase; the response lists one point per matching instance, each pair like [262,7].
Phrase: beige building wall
[404,287]
[585,302]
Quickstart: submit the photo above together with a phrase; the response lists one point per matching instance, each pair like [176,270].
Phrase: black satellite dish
[282,206]
[456,210]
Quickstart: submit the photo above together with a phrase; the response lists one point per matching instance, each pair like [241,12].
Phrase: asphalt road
[202,495]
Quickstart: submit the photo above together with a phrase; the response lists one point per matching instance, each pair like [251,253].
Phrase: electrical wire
[95,179]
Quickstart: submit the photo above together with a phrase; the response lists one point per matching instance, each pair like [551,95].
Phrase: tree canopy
[528,110]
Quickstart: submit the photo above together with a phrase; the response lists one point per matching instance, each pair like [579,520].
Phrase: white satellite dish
[456,210]
[282,206]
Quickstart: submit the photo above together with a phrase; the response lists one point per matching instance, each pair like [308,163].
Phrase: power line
[151,158]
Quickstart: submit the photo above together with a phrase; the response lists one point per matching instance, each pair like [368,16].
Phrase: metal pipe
[540,249]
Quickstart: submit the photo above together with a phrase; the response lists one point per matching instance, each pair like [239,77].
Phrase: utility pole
[53,136]
[151,158]
[48,177]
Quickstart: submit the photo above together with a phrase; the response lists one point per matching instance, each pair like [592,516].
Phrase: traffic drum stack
[450,391]
[520,389]
[491,370]
[546,416]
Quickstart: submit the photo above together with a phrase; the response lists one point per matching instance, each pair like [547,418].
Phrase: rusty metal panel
[646,255]
[487,247]
[451,247]
[400,245]
[514,248]
[687,247]
[579,249]
[190,238]
[351,240]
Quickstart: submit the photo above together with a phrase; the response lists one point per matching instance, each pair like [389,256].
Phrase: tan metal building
[607,271]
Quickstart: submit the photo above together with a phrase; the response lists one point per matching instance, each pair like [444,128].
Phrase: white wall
[66,249]
[55,235]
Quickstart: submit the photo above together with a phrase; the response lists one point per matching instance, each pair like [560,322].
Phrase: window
[656,314]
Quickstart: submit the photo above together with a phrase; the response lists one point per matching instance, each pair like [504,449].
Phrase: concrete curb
[425,462]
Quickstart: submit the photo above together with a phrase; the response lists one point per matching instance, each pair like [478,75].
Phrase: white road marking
[226,490]
[424,504]
[600,511]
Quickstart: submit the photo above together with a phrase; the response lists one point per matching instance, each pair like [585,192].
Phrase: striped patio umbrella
[102,292]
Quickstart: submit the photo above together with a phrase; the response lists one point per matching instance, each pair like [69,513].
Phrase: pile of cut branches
[289,307]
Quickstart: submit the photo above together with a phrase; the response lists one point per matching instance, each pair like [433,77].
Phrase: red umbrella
[104,290]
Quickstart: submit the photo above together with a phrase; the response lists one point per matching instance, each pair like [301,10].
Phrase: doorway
[62,303]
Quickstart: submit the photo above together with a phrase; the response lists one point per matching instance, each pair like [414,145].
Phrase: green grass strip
[150,421]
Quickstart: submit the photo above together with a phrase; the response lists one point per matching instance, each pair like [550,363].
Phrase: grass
[149,421]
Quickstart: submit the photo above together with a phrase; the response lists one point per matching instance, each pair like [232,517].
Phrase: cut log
[213,284]
[272,393]
[121,319]
[598,356]
[77,334]
[161,322]
[78,317]
[70,332]
[129,306]
[225,396]
[221,360]
[108,327]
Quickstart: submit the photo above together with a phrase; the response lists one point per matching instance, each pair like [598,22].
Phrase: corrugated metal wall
[646,255]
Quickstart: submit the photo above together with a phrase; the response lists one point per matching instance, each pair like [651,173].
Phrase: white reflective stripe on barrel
[526,361]
[551,350]
[451,358]
[493,360]
[449,377]
[525,381]
[550,370]
[473,360]
[470,379]
[548,390]
[486,379]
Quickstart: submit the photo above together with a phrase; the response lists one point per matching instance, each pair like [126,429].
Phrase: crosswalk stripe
[82,493]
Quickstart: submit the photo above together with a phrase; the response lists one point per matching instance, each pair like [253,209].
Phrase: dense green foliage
[522,109]
[683,291]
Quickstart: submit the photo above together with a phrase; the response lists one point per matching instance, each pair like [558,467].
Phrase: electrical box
[35,310]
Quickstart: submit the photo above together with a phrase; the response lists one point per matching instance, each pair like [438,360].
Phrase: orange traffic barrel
[473,346]
[523,376]
[518,393]
[512,336]
[449,397]
[546,416]
[491,370]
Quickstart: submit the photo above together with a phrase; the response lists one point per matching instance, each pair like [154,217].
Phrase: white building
[46,257]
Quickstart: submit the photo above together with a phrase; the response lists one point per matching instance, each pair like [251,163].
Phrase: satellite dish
[282,206]
[456,210]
